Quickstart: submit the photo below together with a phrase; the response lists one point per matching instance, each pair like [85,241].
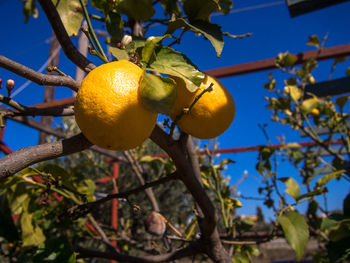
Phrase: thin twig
[37,77]
[188,110]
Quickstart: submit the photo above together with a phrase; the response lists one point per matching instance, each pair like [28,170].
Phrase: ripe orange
[211,115]
[108,109]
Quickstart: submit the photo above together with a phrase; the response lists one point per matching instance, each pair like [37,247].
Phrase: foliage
[316,165]
[49,210]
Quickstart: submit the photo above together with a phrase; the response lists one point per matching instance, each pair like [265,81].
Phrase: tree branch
[37,77]
[125,194]
[139,171]
[69,49]
[188,172]
[16,161]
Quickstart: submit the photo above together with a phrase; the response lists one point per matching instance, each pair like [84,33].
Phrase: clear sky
[273,32]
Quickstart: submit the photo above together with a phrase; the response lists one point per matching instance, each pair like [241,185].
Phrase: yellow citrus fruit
[108,108]
[211,115]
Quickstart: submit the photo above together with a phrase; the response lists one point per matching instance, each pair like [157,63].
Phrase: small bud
[155,224]
[91,51]
[10,84]
[126,40]
[0,83]
[119,45]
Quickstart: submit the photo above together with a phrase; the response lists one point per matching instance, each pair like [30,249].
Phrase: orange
[108,109]
[211,115]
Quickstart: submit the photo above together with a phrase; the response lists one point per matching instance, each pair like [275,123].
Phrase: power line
[249,8]
[42,68]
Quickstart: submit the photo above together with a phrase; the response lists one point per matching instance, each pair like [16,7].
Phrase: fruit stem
[91,30]
[54,68]
[187,110]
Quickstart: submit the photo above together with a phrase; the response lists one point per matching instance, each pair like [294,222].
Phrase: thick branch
[69,49]
[190,176]
[188,251]
[16,161]
[37,77]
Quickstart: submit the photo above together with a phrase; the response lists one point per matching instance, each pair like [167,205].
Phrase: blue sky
[273,32]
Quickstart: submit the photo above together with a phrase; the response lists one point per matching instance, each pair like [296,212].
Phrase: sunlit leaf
[328,177]
[149,48]
[32,235]
[318,191]
[71,14]
[295,230]
[295,92]
[271,85]
[158,93]
[285,59]
[293,188]
[170,62]
[309,104]
[29,9]
[313,41]
[118,53]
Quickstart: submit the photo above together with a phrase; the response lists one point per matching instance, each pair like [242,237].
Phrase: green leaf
[318,191]
[271,85]
[115,26]
[57,172]
[341,101]
[32,235]
[55,250]
[8,229]
[158,93]
[29,9]
[328,223]
[199,9]
[171,7]
[149,49]
[118,53]
[210,31]
[313,41]
[340,60]
[293,188]
[285,59]
[328,177]
[341,231]
[295,230]
[309,104]
[170,62]
[149,158]
[71,14]
[136,9]
[295,93]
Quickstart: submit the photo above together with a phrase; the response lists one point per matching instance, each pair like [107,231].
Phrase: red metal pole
[3,147]
[114,208]
[264,64]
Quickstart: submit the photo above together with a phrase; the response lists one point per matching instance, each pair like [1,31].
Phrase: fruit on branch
[211,114]
[108,109]
[155,224]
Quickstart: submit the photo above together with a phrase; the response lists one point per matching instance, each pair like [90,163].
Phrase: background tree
[53,211]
